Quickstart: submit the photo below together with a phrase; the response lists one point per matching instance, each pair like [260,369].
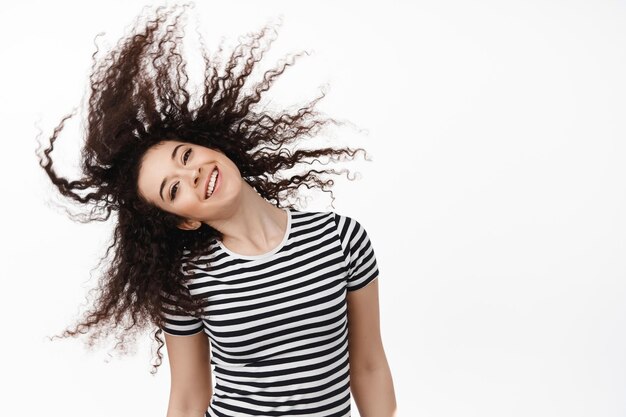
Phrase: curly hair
[139,98]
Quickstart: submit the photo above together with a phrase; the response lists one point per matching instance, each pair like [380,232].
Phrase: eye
[186,156]
[173,191]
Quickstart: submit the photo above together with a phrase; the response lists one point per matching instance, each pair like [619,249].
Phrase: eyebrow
[166,178]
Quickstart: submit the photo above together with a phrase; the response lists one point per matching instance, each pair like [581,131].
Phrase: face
[175,176]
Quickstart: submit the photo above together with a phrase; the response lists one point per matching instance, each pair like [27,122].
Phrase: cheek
[187,205]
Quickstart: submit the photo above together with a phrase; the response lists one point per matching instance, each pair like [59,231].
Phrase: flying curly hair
[139,98]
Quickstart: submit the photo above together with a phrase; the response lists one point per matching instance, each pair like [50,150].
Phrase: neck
[255,226]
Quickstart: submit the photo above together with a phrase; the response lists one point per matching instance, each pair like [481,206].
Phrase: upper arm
[190,369]
[364,339]
[360,259]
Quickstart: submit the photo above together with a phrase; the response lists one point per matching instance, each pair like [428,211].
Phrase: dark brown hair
[138,98]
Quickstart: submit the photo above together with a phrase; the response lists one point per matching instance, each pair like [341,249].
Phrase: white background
[495,199]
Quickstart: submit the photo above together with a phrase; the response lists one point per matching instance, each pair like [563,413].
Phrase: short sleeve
[178,324]
[359,255]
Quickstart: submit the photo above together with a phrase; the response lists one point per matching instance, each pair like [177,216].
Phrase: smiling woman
[208,246]
[191,181]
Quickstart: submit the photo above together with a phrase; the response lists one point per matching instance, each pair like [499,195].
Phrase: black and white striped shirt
[277,322]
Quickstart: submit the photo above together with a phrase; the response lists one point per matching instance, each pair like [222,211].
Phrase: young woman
[282,302]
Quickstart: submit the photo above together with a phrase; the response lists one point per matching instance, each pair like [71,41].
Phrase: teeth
[211,183]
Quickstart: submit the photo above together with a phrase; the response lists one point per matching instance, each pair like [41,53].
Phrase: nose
[196,176]
[193,174]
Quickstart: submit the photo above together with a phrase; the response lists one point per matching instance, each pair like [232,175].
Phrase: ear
[190,225]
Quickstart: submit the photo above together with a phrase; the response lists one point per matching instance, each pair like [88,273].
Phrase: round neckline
[266,254]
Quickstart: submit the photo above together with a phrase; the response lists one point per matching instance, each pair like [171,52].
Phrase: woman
[208,249]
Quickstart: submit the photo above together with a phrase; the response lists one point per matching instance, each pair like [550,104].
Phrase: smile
[211,183]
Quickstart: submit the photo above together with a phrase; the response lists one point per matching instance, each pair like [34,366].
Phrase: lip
[208,179]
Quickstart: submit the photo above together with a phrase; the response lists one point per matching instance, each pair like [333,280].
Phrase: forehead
[160,151]
[154,167]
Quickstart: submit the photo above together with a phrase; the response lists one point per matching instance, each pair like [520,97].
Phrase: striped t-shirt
[277,322]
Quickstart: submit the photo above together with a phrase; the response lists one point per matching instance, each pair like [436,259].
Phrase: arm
[370,377]
[191,380]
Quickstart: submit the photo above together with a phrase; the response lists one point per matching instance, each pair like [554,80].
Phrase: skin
[250,225]
[371,382]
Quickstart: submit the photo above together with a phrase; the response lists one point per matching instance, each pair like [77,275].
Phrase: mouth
[211,183]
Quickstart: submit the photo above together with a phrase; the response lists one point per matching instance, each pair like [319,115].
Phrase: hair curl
[138,98]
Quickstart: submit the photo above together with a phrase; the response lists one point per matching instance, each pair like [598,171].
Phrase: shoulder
[344,224]
[189,262]
[310,219]
[339,218]
[348,227]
